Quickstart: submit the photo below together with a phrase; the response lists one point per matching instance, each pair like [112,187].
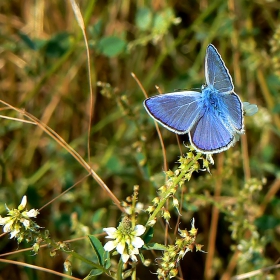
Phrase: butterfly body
[212,117]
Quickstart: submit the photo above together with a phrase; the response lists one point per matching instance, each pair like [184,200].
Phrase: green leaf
[93,273]
[154,246]
[107,261]
[162,21]
[28,41]
[267,222]
[98,249]
[58,45]
[111,46]
[95,30]
[148,235]
[144,18]
[141,257]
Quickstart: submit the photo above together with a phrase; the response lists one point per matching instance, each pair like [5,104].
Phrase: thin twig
[254,273]
[39,268]
[214,221]
[72,151]
[157,127]
[80,21]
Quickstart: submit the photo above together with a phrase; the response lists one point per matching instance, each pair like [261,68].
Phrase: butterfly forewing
[210,134]
[177,111]
[216,73]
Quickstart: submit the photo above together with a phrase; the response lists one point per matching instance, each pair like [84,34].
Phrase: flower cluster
[192,162]
[19,223]
[174,253]
[126,239]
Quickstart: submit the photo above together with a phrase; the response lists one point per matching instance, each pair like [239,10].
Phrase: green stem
[175,182]
[120,269]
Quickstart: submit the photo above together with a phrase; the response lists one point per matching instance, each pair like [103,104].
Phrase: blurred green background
[43,69]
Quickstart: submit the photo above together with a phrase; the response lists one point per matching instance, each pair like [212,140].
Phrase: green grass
[44,71]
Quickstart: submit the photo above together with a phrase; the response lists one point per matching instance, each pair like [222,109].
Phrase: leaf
[154,246]
[93,273]
[98,249]
[107,261]
[148,235]
[267,222]
[95,30]
[111,46]
[144,18]
[58,45]
[28,41]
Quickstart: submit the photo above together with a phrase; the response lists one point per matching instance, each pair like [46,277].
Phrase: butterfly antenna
[158,89]
[186,89]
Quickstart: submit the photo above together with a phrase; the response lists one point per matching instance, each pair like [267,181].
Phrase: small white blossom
[18,221]
[126,240]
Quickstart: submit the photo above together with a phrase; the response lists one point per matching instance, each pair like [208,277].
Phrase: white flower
[19,223]
[126,239]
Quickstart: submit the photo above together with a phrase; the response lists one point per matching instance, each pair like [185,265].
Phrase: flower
[18,222]
[126,239]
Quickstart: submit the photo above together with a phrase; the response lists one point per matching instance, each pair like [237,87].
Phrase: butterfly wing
[216,73]
[211,135]
[177,111]
[234,111]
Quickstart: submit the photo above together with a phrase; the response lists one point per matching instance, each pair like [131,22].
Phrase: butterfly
[213,118]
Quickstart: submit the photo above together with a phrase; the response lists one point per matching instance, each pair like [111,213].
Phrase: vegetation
[77,142]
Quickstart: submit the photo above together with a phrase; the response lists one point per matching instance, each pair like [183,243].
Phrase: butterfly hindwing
[216,73]
[234,110]
[210,134]
[177,111]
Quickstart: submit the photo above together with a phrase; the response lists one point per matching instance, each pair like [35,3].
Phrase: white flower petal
[23,203]
[8,226]
[110,231]
[110,245]
[135,251]
[120,247]
[125,258]
[139,230]
[133,257]
[14,233]
[32,213]
[137,242]
[4,220]
[26,223]
[128,210]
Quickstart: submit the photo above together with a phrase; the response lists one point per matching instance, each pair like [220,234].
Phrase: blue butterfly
[213,117]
